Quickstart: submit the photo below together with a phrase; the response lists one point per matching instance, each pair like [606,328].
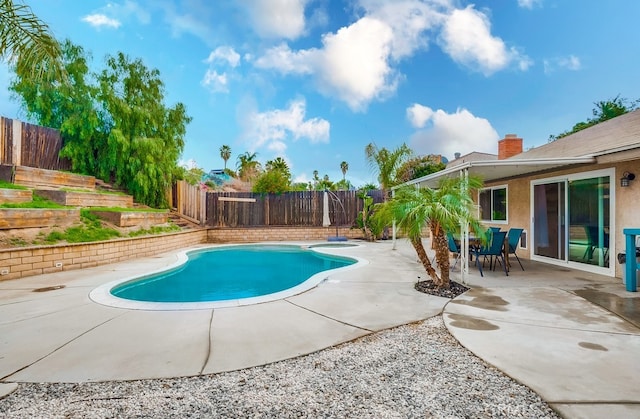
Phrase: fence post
[16,153]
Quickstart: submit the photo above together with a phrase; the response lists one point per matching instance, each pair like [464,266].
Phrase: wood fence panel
[41,148]
[6,140]
[302,208]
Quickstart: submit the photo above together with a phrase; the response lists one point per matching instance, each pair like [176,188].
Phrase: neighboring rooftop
[473,156]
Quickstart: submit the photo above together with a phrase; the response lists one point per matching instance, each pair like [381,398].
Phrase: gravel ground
[413,371]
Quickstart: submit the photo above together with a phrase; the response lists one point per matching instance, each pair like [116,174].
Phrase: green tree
[27,41]
[70,107]
[344,167]
[248,166]
[417,167]
[387,163]
[604,110]
[225,153]
[278,164]
[272,181]
[441,210]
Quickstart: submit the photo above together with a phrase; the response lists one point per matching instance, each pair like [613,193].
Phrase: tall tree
[145,138]
[344,166]
[441,210]
[27,40]
[248,166]
[70,107]
[225,153]
[278,164]
[386,163]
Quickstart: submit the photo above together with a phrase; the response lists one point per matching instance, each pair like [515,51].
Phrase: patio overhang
[492,170]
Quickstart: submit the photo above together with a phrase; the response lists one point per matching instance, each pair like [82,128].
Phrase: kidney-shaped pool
[225,276]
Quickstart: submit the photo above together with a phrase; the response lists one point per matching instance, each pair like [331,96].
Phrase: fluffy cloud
[272,129]
[219,82]
[529,4]
[450,133]
[466,38]
[101,21]
[113,14]
[224,54]
[571,63]
[277,18]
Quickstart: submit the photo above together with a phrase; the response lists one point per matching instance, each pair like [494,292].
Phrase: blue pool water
[230,273]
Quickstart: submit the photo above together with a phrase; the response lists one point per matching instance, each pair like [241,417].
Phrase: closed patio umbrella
[326,222]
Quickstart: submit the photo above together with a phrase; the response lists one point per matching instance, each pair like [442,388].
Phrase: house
[573,196]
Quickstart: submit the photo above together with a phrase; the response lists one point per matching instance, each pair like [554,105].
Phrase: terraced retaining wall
[28,261]
[36,217]
[133,218]
[86,199]
[13,196]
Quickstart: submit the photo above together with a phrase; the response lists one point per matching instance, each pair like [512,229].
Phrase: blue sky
[314,81]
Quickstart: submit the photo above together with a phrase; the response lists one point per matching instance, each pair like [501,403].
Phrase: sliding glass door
[572,222]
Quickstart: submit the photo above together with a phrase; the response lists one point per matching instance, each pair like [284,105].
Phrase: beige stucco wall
[627,202]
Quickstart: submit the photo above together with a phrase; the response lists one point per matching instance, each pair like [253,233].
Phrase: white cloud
[466,38]
[224,54]
[189,164]
[529,4]
[457,132]
[571,63]
[352,65]
[408,20]
[99,21]
[272,129]
[286,61]
[217,83]
[277,18]
[418,115]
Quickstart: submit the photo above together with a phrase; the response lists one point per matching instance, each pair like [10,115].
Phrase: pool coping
[102,294]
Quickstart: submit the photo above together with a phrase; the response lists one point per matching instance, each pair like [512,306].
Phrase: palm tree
[225,153]
[344,166]
[441,210]
[386,163]
[248,167]
[27,41]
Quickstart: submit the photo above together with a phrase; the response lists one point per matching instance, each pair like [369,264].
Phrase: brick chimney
[509,146]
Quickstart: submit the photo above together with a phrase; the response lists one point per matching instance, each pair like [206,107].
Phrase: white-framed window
[492,203]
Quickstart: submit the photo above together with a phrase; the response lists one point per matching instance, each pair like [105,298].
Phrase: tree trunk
[424,259]
[442,256]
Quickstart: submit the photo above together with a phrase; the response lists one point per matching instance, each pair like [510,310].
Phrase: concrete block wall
[19,263]
[261,234]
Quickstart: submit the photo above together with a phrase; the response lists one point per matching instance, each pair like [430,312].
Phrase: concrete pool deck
[552,329]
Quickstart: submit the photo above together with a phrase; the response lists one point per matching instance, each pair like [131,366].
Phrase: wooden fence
[246,209]
[23,144]
[189,201]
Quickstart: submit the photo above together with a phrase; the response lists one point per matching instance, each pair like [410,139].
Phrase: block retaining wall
[261,234]
[28,261]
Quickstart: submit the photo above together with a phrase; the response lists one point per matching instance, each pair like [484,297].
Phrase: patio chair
[453,248]
[513,238]
[494,248]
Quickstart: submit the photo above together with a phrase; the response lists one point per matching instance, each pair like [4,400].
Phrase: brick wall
[509,146]
[256,234]
[46,259]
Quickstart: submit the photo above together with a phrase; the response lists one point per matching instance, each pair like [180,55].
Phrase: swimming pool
[224,276]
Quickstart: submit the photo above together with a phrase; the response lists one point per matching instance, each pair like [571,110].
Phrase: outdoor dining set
[494,248]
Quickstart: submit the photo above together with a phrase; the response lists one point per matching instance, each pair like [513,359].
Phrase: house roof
[473,156]
[617,134]
[612,136]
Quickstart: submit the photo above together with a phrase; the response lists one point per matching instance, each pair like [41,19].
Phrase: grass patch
[155,230]
[91,230]
[38,202]
[8,185]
